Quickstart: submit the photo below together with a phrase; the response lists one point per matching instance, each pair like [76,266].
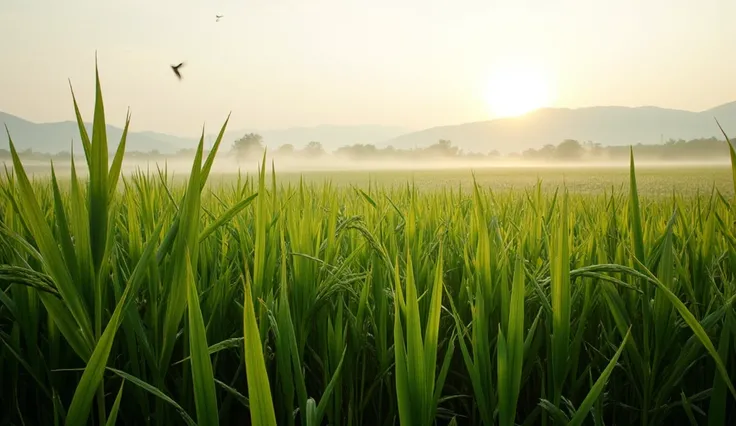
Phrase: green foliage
[129,298]
[250,145]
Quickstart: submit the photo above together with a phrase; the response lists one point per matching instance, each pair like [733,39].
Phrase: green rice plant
[511,351]
[203,380]
[144,297]
[561,304]
[260,401]
[418,387]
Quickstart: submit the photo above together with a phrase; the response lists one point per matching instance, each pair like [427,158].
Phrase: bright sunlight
[517,90]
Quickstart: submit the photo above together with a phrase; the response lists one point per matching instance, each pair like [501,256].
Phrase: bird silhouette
[217,17]
[176,69]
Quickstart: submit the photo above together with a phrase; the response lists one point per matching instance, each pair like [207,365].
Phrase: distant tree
[361,152]
[285,150]
[389,151]
[547,151]
[314,149]
[530,154]
[597,149]
[569,149]
[448,149]
[443,148]
[249,145]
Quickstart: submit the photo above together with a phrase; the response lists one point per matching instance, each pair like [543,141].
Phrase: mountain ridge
[55,137]
[609,125]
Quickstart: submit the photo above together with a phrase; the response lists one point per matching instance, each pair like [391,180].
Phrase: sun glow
[517,90]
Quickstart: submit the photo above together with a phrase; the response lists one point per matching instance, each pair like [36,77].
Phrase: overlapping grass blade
[113,417]
[157,393]
[595,391]
[203,380]
[538,284]
[93,372]
[259,391]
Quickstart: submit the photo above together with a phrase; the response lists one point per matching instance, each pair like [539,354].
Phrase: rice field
[139,299]
[653,181]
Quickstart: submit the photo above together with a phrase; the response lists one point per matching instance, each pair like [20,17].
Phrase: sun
[517,90]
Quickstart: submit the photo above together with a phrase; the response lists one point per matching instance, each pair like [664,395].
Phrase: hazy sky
[411,63]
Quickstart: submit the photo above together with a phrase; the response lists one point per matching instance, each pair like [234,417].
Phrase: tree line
[251,146]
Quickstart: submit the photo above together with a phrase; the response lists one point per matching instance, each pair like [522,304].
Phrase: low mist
[227,165]
[246,154]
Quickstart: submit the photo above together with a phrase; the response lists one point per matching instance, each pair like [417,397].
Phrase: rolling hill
[606,125]
[52,138]
[56,137]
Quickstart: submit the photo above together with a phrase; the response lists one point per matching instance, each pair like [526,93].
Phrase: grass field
[653,181]
[266,299]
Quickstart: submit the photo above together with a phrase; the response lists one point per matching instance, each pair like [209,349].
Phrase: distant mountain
[723,111]
[56,137]
[606,125]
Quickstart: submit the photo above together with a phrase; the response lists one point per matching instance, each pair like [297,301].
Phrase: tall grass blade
[203,380]
[93,372]
[259,391]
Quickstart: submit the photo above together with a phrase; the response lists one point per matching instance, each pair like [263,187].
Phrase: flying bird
[217,17]
[176,69]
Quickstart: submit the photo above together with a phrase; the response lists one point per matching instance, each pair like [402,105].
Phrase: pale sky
[411,63]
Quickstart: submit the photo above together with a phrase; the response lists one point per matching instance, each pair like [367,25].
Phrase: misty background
[374,84]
